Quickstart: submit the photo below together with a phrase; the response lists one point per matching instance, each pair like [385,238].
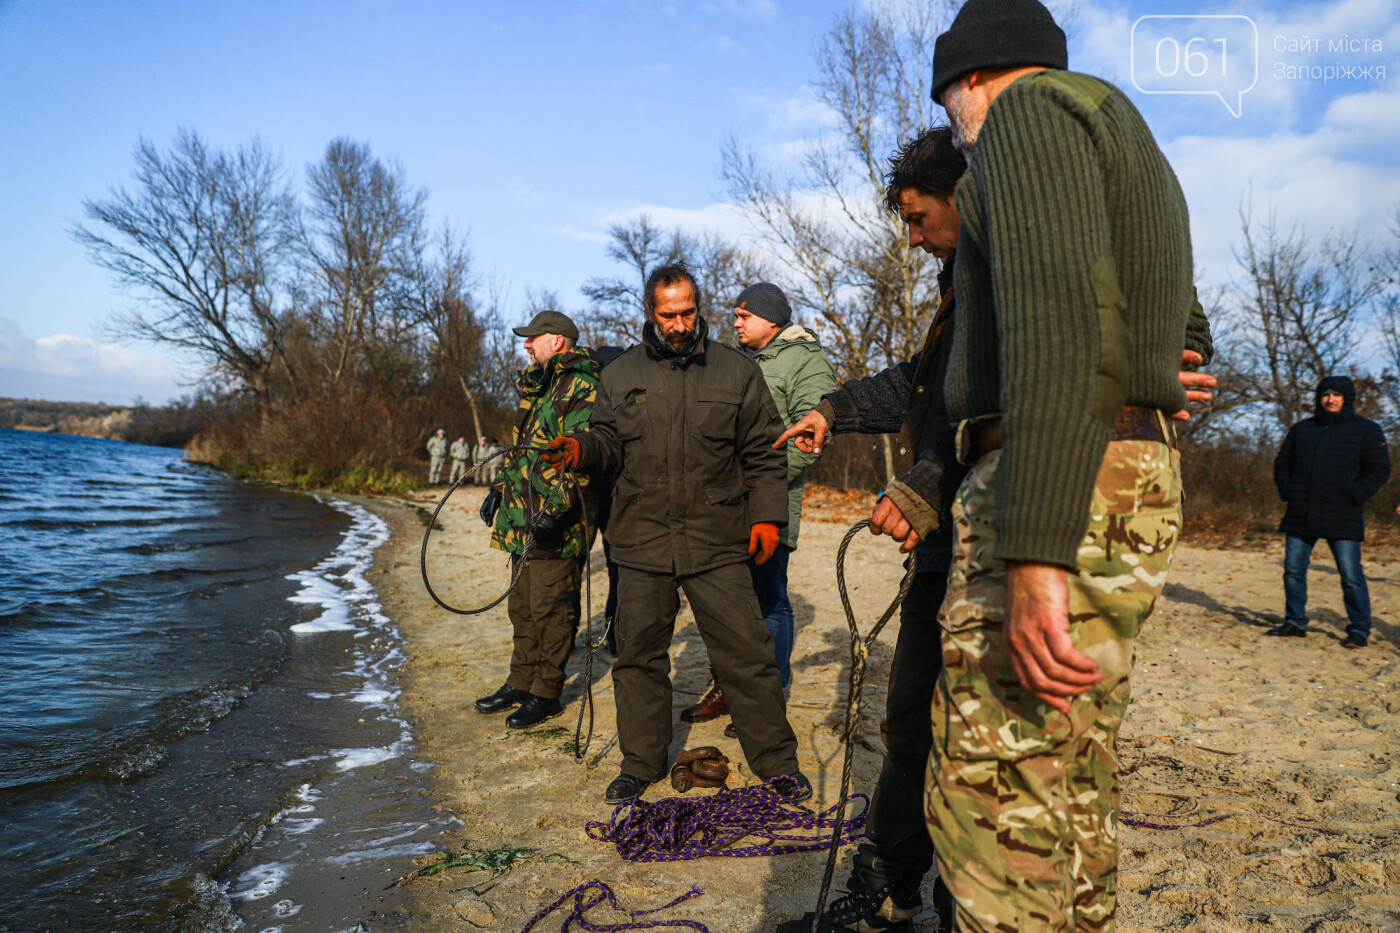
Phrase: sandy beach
[1294,744]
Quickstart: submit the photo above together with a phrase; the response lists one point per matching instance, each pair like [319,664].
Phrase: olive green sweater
[1074,285]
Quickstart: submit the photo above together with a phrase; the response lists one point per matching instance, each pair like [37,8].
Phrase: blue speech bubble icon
[1196,54]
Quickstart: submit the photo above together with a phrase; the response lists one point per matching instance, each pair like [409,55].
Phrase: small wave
[203,908]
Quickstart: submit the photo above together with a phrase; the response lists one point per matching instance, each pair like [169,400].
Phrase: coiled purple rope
[675,829]
[604,893]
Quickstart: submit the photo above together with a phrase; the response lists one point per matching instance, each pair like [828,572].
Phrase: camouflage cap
[548,322]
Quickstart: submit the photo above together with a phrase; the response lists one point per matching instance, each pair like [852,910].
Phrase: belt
[980,436]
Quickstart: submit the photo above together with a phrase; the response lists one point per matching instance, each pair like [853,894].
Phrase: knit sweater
[1074,285]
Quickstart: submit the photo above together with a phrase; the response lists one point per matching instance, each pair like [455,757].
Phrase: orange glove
[763,541]
[563,451]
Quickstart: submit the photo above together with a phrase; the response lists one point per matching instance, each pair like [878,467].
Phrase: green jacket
[798,374]
[691,437]
[555,400]
[437,447]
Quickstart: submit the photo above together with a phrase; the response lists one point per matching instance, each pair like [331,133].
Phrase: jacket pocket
[723,519]
[717,413]
[631,415]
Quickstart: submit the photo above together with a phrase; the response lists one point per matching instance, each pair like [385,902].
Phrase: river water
[199,728]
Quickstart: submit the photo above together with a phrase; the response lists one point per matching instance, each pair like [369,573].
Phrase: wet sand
[1295,742]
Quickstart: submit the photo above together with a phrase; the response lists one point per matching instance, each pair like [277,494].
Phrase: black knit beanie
[767,301]
[994,34]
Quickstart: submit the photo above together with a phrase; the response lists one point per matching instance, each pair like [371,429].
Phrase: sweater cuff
[840,413]
[921,516]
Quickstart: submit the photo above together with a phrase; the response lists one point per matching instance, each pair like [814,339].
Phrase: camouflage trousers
[1021,799]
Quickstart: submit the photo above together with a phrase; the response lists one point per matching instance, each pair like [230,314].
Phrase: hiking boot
[1287,631]
[624,787]
[794,788]
[502,700]
[1353,640]
[889,909]
[534,711]
[711,705]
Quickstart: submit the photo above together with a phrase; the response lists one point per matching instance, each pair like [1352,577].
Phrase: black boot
[534,711]
[502,700]
[888,909]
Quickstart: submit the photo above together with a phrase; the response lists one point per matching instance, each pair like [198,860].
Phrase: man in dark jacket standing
[689,426]
[1327,468]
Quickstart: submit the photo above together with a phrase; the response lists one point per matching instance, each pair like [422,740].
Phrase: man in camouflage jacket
[556,398]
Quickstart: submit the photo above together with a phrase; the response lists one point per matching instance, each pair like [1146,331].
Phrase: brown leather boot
[711,705]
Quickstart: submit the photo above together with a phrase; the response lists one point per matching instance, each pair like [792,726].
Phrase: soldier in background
[493,465]
[459,452]
[556,397]
[437,452]
[480,451]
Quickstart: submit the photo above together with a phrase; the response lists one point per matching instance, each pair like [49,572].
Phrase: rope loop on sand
[602,892]
[676,829]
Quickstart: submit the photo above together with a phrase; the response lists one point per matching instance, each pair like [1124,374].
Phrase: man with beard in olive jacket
[689,427]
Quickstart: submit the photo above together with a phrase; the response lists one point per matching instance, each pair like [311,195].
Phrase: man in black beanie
[1074,287]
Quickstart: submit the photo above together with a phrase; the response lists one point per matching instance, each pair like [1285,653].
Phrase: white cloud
[1321,180]
[748,9]
[726,44]
[66,367]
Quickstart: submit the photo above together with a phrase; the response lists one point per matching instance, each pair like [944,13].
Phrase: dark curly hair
[669,274]
[929,163]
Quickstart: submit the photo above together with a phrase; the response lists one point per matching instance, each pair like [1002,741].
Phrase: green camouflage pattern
[1022,800]
[555,400]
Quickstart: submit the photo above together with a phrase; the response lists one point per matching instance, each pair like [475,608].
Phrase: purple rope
[604,893]
[1129,818]
[675,829]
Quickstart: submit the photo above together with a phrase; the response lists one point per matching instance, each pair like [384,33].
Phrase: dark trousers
[770,580]
[541,609]
[1297,555]
[741,652]
[897,846]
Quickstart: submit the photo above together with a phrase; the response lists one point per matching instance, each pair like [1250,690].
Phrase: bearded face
[966,113]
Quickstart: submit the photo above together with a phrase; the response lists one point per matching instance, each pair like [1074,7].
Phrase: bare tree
[1296,314]
[201,240]
[720,267]
[838,253]
[365,240]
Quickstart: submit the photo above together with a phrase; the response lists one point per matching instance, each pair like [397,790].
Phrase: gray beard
[966,123]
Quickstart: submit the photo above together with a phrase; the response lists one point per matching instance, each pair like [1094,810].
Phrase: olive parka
[691,437]
[797,374]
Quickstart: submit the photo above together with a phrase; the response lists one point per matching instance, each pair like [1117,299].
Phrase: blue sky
[534,125]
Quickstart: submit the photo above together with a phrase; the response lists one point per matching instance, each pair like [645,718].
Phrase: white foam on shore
[360,757]
[312,834]
[337,584]
[261,881]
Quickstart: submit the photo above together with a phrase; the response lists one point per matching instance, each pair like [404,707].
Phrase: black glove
[549,530]
[489,507]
